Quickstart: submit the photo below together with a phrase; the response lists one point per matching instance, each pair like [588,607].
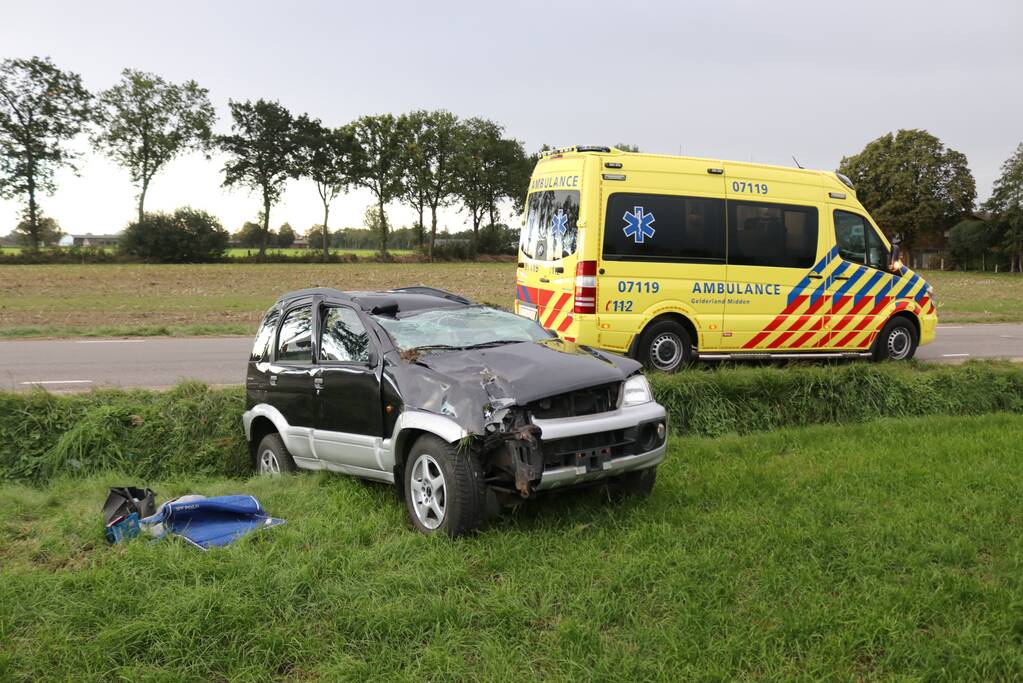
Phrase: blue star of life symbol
[559,223]
[638,225]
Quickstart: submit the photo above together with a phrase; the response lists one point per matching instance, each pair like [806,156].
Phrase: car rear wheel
[272,456]
[444,488]
[635,484]
[665,346]
[897,341]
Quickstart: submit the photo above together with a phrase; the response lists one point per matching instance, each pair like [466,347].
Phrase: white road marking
[111,341]
[60,381]
[954,355]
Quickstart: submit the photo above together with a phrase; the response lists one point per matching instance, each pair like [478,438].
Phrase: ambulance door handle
[543,279]
[559,269]
[841,277]
[815,276]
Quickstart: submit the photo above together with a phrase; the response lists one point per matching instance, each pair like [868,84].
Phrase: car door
[290,376]
[349,417]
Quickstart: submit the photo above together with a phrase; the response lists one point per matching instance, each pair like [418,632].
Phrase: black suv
[456,404]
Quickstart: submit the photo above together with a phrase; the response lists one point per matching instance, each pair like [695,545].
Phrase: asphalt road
[156,362]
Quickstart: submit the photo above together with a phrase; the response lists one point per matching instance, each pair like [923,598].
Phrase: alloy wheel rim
[428,491]
[268,463]
[898,344]
[666,351]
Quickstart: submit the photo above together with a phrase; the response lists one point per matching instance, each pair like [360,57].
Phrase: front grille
[573,450]
[589,401]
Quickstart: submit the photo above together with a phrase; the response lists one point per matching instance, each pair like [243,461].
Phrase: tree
[49,232]
[285,236]
[145,122]
[430,151]
[488,169]
[970,239]
[41,109]
[251,234]
[912,184]
[326,158]
[264,151]
[186,236]
[377,144]
[317,237]
[1006,203]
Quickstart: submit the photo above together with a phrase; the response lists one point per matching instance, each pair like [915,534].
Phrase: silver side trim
[622,418]
[569,476]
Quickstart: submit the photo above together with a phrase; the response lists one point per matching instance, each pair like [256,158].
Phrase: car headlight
[637,390]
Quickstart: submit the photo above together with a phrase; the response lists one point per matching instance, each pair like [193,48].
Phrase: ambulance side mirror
[895,262]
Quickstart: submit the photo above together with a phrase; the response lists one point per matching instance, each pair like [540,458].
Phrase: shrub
[186,236]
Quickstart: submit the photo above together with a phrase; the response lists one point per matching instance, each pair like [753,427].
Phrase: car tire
[272,457]
[443,488]
[665,346]
[635,484]
[898,341]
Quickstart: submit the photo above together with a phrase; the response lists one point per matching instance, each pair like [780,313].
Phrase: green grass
[195,429]
[973,297]
[887,549]
[292,251]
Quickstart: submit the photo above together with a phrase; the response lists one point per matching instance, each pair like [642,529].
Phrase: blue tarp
[211,522]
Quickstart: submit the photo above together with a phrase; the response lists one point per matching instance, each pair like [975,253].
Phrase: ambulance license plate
[527,311]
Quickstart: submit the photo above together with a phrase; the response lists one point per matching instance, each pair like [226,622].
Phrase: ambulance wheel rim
[899,343]
[268,463]
[666,351]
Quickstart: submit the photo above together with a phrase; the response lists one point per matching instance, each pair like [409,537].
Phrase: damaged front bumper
[577,450]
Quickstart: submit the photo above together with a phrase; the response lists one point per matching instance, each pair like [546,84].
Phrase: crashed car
[460,406]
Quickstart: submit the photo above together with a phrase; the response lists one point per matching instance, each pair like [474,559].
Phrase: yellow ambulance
[673,258]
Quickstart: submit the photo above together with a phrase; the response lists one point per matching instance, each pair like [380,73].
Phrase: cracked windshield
[461,328]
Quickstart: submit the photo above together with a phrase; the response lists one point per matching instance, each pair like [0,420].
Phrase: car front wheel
[272,456]
[444,488]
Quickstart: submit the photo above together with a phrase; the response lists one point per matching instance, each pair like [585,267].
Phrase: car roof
[386,302]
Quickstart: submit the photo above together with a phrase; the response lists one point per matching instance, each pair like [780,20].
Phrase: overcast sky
[759,81]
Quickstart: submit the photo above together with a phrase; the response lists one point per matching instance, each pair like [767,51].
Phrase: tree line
[426,160]
[910,181]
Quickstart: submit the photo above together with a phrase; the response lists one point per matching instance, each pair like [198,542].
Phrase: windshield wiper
[496,342]
[434,347]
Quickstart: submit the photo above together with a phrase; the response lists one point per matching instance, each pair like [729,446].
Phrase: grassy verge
[197,430]
[977,297]
[890,549]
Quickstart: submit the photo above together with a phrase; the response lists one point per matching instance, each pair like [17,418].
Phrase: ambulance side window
[664,228]
[858,242]
[771,235]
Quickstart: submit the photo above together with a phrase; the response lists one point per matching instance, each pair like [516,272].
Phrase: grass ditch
[892,549]
[196,430]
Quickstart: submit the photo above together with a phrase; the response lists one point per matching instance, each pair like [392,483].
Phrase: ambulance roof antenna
[798,165]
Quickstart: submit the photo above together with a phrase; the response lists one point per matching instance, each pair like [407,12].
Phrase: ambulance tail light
[586,287]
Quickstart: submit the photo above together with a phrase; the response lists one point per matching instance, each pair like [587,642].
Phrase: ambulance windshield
[550,230]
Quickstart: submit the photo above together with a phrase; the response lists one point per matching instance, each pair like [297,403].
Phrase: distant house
[66,241]
[90,240]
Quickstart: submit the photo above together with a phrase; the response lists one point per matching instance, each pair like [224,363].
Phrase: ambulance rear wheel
[897,341]
[665,346]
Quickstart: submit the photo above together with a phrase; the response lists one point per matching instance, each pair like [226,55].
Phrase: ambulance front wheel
[665,346]
[897,341]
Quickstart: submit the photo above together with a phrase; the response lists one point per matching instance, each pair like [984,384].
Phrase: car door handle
[841,277]
[543,279]
[273,380]
[815,276]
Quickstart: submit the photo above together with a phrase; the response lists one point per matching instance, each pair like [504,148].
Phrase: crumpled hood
[474,387]
[532,370]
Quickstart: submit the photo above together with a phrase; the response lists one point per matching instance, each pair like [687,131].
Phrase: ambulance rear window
[550,230]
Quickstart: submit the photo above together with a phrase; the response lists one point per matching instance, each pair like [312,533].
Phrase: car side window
[343,337]
[265,336]
[295,340]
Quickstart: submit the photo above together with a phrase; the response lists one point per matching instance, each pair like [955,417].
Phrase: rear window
[550,230]
[659,227]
